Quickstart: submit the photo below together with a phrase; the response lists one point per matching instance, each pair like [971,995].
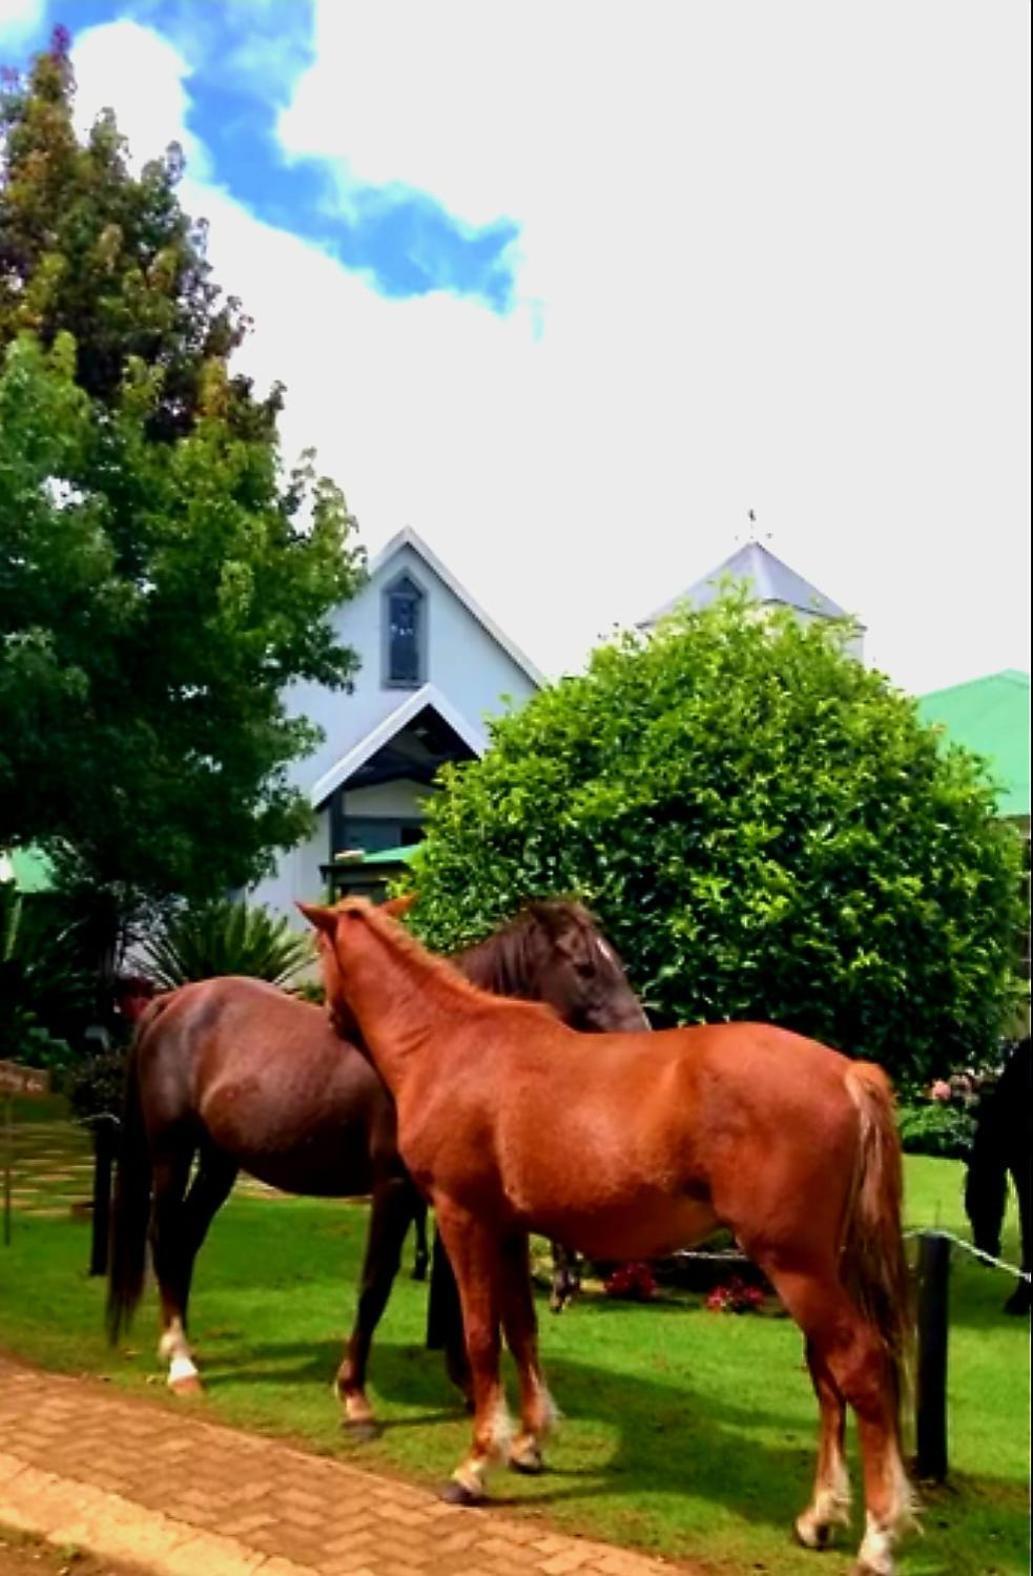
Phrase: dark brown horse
[1003,1143]
[788,1143]
[237,1075]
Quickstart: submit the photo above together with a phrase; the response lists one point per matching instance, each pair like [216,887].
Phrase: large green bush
[764,827]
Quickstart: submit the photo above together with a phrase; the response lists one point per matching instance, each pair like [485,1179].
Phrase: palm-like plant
[43,983]
[225,937]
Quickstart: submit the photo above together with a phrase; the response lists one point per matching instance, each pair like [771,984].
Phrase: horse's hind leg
[830,1503]
[171,1169]
[537,1411]
[394,1201]
[852,1352]
[209,1190]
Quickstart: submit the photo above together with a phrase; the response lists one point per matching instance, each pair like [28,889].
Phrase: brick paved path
[84,1465]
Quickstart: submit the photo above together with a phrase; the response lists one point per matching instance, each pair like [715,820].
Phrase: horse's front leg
[476,1260]
[421,1259]
[394,1201]
[537,1411]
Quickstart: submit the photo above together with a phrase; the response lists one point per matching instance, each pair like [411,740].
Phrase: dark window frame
[407,583]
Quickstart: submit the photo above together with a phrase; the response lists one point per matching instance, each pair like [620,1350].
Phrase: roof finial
[754,534]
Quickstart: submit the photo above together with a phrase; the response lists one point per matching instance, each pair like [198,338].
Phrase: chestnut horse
[788,1143]
[238,1075]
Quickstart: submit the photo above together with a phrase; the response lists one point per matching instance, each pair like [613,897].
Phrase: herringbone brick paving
[135,1481]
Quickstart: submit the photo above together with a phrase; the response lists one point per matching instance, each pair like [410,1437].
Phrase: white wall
[466,664]
[297,875]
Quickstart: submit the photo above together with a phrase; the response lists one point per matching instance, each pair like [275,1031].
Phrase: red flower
[735,1296]
[634,1281]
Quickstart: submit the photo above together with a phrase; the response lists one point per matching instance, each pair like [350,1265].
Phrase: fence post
[934,1254]
[103,1157]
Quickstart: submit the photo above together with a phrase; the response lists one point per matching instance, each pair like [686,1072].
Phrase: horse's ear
[395,907]
[324,919]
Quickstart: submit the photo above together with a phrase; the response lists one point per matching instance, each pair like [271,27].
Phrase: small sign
[15,1079]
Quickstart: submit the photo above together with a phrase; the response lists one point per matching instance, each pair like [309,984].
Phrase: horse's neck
[500,964]
[400,1002]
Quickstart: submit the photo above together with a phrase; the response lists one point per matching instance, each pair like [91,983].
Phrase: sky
[571,289]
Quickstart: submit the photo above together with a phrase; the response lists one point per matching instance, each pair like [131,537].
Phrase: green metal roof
[990,716]
[384,856]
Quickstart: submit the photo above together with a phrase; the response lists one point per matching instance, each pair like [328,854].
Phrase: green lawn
[686,1432]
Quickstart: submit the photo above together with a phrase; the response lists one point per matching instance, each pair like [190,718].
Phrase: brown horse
[240,1076]
[788,1143]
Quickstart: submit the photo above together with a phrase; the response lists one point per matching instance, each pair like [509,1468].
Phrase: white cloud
[779,260]
[19,19]
[133,70]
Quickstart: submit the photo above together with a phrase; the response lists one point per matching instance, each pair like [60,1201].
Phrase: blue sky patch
[244,57]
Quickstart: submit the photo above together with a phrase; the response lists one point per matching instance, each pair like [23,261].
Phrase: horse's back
[265,1078]
[684,1127]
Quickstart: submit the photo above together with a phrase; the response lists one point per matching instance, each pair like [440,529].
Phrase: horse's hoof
[529,1462]
[455,1493]
[187,1385]
[362,1429]
[812,1534]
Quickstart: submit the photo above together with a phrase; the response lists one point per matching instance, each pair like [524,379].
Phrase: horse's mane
[436,972]
[501,961]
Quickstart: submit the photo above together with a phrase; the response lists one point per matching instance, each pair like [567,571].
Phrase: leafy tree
[43,987]
[161,579]
[764,827]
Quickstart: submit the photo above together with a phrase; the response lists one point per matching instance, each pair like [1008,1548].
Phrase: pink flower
[941,1090]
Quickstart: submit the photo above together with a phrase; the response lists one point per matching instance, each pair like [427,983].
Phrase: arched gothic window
[404,633]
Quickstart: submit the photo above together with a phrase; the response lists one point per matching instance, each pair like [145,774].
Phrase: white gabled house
[434,666]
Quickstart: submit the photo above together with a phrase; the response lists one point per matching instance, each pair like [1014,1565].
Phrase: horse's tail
[131,1207]
[874,1264]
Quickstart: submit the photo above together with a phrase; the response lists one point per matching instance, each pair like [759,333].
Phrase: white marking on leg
[181,1369]
[175,1348]
[876,1552]
[356,1407]
[473,1472]
[830,1506]
[500,1430]
[174,1341]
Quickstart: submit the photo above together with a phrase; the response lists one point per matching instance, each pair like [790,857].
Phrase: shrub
[929,1128]
[764,827]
